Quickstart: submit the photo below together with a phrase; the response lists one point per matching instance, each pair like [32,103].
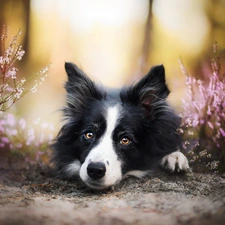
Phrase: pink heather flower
[12,73]
[202,121]
[5,61]
[19,92]
[37,121]
[195,122]
[8,88]
[31,134]
[22,123]
[218,124]
[10,120]
[28,142]
[210,124]
[5,139]
[9,51]
[22,81]
[19,145]
[20,53]
[209,112]
[222,132]
[2,145]
[14,132]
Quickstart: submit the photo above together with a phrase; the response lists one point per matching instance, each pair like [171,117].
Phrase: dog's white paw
[175,161]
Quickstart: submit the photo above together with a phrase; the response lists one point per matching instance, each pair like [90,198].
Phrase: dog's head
[112,133]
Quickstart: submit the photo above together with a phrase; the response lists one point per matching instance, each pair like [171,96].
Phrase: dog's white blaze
[104,152]
[73,168]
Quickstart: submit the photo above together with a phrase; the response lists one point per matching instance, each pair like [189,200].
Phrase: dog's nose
[96,170]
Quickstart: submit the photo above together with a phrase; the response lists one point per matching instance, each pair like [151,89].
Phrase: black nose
[96,170]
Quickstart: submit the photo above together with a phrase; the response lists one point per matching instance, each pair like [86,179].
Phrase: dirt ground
[36,197]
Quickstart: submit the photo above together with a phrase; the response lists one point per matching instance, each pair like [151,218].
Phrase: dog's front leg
[175,162]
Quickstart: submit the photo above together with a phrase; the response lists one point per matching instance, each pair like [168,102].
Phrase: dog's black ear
[149,90]
[79,87]
[73,71]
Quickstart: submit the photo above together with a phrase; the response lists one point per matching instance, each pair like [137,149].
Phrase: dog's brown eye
[89,135]
[125,141]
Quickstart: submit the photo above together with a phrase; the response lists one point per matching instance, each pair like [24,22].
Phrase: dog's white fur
[104,152]
[73,168]
[175,161]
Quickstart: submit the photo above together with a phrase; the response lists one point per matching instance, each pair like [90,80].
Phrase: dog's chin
[98,184]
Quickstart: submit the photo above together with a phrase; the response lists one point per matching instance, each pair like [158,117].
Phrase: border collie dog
[111,133]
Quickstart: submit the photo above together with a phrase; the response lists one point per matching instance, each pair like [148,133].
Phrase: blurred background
[114,42]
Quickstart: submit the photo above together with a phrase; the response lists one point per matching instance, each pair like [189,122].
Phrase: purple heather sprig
[17,136]
[30,140]
[11,87]
[203,113]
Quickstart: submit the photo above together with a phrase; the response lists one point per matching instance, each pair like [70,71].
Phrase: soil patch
[36,197]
